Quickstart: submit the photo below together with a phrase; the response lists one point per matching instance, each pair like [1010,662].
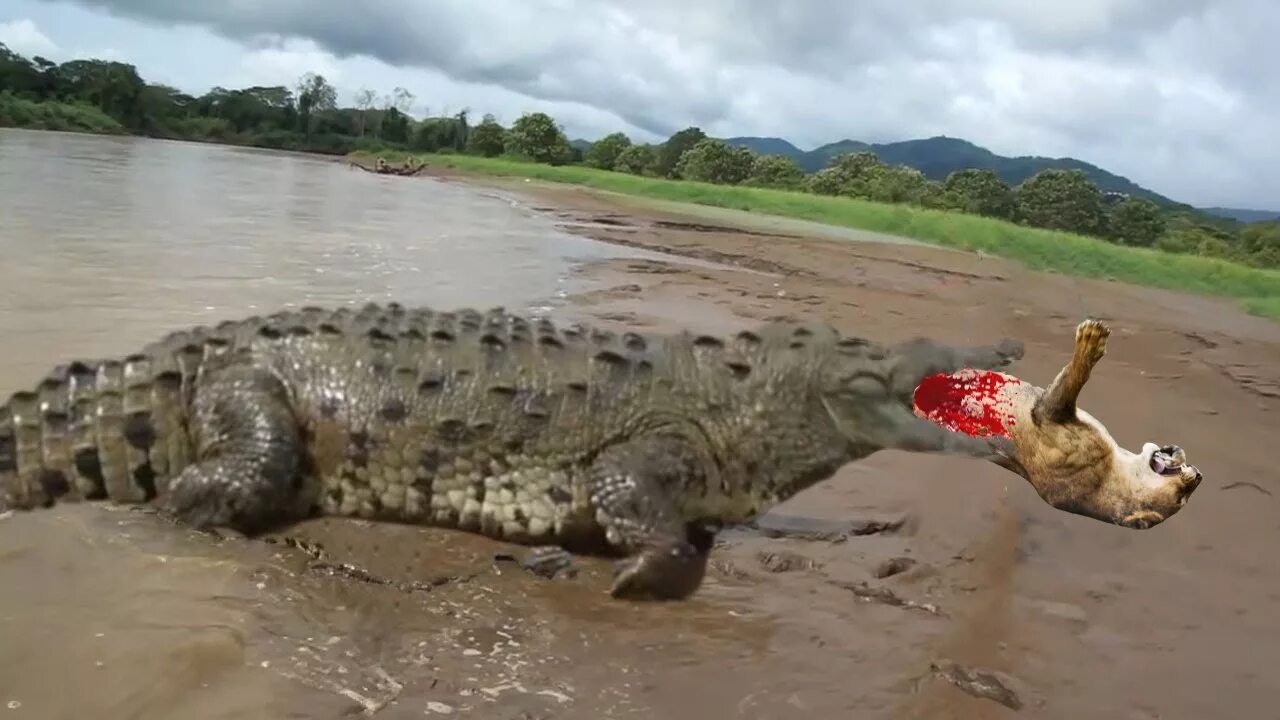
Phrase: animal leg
[247,473]
[1058,403]
[632,488]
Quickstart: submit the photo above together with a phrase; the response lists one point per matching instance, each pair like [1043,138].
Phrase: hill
[937,157]
[1244,216]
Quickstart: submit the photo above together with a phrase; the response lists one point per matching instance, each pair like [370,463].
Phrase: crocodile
[567,438]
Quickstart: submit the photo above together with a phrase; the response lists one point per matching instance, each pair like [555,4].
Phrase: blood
[968,402]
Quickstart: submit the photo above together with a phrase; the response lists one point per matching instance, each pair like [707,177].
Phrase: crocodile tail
[118,429]
[112,429]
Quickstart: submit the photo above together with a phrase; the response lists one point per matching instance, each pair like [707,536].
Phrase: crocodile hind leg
[247,474]
[631,488]
[1058,403]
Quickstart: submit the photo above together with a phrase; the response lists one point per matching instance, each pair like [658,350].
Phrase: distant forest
[110,97]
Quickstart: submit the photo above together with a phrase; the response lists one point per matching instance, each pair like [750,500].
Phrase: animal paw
[1142,519]
[205,501]
[1091,340]
[664,571]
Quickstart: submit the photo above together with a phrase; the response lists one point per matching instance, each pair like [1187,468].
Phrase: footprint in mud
[783,561]
[893,566]
[980,683]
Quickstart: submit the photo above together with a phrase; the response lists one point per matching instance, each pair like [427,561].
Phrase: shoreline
[1037,250]
[720,225]
[1196,269]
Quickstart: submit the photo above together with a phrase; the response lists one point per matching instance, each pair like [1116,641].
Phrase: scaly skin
[565,438]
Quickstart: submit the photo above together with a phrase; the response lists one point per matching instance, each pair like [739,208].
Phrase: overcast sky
[1181,96]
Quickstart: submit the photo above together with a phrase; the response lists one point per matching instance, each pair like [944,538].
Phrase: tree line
[1054,199]
[108,96]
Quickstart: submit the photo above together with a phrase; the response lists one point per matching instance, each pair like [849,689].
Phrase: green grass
[1258,290]
[1264,306]
[51,115]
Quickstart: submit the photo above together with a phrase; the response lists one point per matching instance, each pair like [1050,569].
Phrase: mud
[1087,620]
[906,587]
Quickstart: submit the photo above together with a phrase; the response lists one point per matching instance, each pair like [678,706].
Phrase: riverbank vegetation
[1056,220]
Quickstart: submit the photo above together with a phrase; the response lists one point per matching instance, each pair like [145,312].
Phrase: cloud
[23,37]
[1175,94]
[284,62]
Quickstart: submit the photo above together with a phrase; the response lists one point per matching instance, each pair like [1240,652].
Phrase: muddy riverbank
[907,587]
[1079,612]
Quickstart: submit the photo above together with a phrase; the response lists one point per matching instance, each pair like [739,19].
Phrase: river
[109,242]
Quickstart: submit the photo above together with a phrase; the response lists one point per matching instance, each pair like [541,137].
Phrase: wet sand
[908,571]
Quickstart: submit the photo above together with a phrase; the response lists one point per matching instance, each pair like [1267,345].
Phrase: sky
[1180,96]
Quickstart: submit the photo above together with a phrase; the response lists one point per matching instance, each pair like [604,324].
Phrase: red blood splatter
[966,402]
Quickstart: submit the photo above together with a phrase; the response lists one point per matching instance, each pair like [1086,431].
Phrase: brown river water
[913,572]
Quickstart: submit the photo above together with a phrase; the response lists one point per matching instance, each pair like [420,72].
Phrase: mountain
[937,157]
[769,146]
[1244,216]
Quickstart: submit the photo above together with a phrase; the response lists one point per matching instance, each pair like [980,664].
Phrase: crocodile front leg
[633,487]
[247,473]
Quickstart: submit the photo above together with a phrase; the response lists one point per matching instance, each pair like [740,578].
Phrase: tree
[536,136]
[714,161]
[487,139]
[463,132]
[314,94]
[318,93]
[826,181]
[161,106]
[441,133]
[848,174]
[401,100]
[898,184]
[1135,221]
[17,74]
[980,192]
[1260,243]
[114,87]
[776,171]
[673,148]
[1185,235]
[364,102]
[637,160]
[1061,200]
[604,152]
[857,165]
[394,126]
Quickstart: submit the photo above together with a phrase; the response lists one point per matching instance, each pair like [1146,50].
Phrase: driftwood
[382,167]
